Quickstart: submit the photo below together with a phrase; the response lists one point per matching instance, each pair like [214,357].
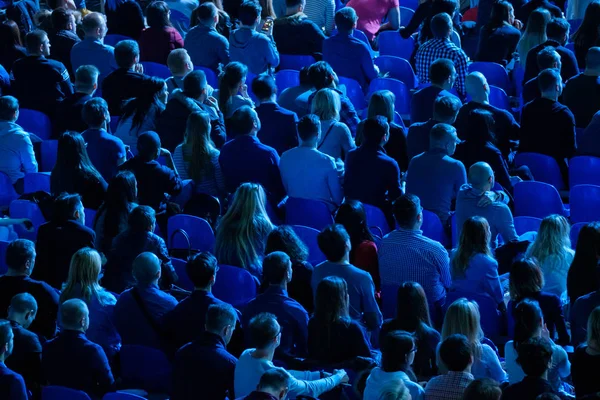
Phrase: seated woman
[529,323]
[333,337]
[243,230]
[582,277]
[526,282]
[83,284]
[474,269]
[74,172]
[125,17]
[160,38]
[233,91]
[498,38]
[586,360]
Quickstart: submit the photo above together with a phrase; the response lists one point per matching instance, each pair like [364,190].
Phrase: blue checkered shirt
[442,48]
[448,387]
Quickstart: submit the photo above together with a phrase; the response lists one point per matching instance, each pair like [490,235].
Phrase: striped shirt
[448,387]
[322,13]
[213,185]
[442,48]
[408,256]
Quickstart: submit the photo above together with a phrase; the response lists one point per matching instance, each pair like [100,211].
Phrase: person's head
[376,131]
[202,270]
[382,103]
[309,130]
[294,6]
[351,214]
[529,321]
[264,88]
[71,157]
[502,14]
[332,301]
[334,242]
[122,191]
[398,352]
[550,83]
[148,146]
[63,20]
[275,382]
[480,125]
[249,13]
[445,109]
[179,62]
[395,390]
[475,238]
[265,332]
[552,239]
[6,340]
[483,389]
[68,207]
[127,53]
[481,176]
[9,108]
[283,238]
[207,14]
[535,357]
[37,43]
[194,85]
[587,252]
[408,212]
[10,34]
[142,219]
[231,81]
[593,328]
[442,73]
[443,136]
[157,15]
[477,86]
[220,320]
[23,309]
[197,139]
[277,269]
[456,353]
[345,20]
[86,79]
[146,269]
[462,317]
[327,105]
[592,61]
[84,273]
[95,113]
[588,31]
[558,29]
[244,121]
[412,308]
[94,25]
[20,257]
[74,315]
[548,57]
[526,279]
[536,23]
[441,26]
[321,75]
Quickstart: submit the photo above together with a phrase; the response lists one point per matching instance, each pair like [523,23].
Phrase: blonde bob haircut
[326,105]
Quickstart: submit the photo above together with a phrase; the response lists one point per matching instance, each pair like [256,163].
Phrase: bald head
[481,176]
[477,87]
[23,309]
[146,268]
[94,25]
[592,60]
[74,315]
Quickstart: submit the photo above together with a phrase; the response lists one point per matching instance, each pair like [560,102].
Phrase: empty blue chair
[113,39]
[179,18]
[122,396]
[575,228]
[90,217]
[36,181]
[585,203]
[211,76]
[184,281]
[235,285]
[3,246]
[433,229]
[200,234]
[527,224]
[30,210]
[406,15]
[146,368]
[287,78]
[400,90]
[35,122]
[49,150]
[537,199]
[376,217]
[398,68]
[63,393]
[495,74]
[354,92]
[392,44]
[312,213]
[287,61]
[412,4]
[7,191]
[491,321]
[498,98]
[543,168]
[156,69]
[584,170]
[309,237]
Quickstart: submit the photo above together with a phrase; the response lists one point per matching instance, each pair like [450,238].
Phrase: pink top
[371,13]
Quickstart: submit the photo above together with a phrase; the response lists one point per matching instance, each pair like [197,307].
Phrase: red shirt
[157,43]
[365,258]
[371,13]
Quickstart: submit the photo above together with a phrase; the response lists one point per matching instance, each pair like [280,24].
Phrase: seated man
[434,176]
[12,385]
[180,65]
[139,309]
[347,55]
[204,365]
[287,98]
[456,354]
[274,384]
[70,110]
[106,151]
[71,360]
[250,47]
[253,363]
[16,150]
[548,57]
[334,242]
[582,92]
[207,47]
[63,37]
[278,125]
[442,75]
[483,389]
[294,33]
[186,321]
[60,238]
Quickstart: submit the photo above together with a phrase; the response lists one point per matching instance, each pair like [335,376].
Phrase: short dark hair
[18,252]
[375,129]
[9,105]
[148,144]
[483,389]
[242,121]
[60,18]
[548,78]
[332,242]
[5,333]
[157,14]
[248,12]
[275,267]
[95,112]
[141,218]
[557,28]
[263,86]
[206,12]
[293,3]
[64,207]
[456,352]
[446,108]
[321,75]
[440,70]
[263,329]
[406,209]
[309,127]
[34,39]
[275,379]
[345,19]
[547,57]
[200,268]
[534,356]
[441,25]
[218,316]
[126,51]
[194,83]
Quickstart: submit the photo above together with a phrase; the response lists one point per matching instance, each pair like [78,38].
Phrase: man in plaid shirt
[442,47]
[457,355]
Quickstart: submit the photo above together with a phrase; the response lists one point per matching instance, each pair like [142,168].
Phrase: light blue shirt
[480,277]
[379,382]
[16,151]
[206,47]
[93,52]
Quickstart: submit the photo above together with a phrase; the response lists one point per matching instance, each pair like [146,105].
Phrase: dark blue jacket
[497,45]
[124,84]
[470,153]
[278,127]
[417,139]
[531,90]
[421,104]
[350,57]
[12,385]
[553,315]
[26,358]
[69,114]
[61,44]
[296,34]
[569,66]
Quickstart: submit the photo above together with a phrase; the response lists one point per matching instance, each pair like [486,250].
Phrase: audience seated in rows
[206,46]
[547,57]
[483,389]
[582,92]
[458,354]
[233,91]
[534,34]
[442,75]
[499,37]
[69,114]
[159,38]
[63,38]
[294,33]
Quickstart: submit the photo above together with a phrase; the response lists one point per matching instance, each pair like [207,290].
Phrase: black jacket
[124,84]
[62,42]
[296,34]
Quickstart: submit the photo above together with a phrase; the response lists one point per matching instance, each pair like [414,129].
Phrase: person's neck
[480,98]
[92,37]
[592,72]
[265,354]
[550,96]
[207,289]
[12,272]
[272,99]
[311,144]
[251,27]
[98,128]
[415,227]
[438,86]
[84,91]
[16,318]
[291,12]
[438,149]
[282,285]
[344,261]
[544,376]
[36,54]
[78,330]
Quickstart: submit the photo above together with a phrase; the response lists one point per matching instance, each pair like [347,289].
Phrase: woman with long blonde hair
[83,283]
[552,250]
[535,33]
[463,318]
[242,233]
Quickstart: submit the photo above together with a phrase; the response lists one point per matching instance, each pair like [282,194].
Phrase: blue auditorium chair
[179,18]
[122,396]
[35,181]
[376,217]
[35,122]
[397,68]
[584,203]
[211,77]
[287,61]
[433,229]
[156,70]
[527,224]
[30,210]
[63,393]
[499,98]
[49,150]
[538,199]
[286,78]
[354,92]
[7,191]
[199,232]
[113,39]
[400,90]
[494,73]
[406,15]
[392,44]
[312,213]
[543,168]
[584,170]
[575,229]
[184,281]
[234,285]
[309,238]
[90,217]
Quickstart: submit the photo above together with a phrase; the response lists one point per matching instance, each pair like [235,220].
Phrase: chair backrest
[36,181]
[412,4]
[249,78]
[400,90]
[537,199]
[376,217]
[156,69]
[49,150]
[7,191]
[184,281]
[527,224]
[63,393]
[354,92]
[389,299]
[146,368]
[397,68]
[90,217]
[114,123]
[234,285]
[287,78]
[35,122]
[491,322]
[113,39]
[575,229]
[585,203]
[287,61]
[433,229]
[200,233]
[312,213]
[406,15]
[392,44]
[498,98]
[30,210]
[570,46]
[544,168]
[309,237]
[3,246]
[211,77]
[584,170]
[122,396]
[495,74]
[177,17]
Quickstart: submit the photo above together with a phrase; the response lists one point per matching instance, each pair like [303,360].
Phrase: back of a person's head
[293,4]
[526,279]
[445,109]
[483,389]
[345,19]
[553,239]
[412,308]
[440,70]
[148,145]
[61,18]
[141,219]
[23,303]
[407,209]
[92,22]
[274,381]
[474,239]
[557,29]
[587,251]
[65,206]
[309,127]
[382,103]
[194,84]
[201,268]
[243,121]
[157,14]
[263,87]
[333,242]
[276,268]
[535,356]
[331,301]
[500,14]
[206,13]
[6,336]
[72,314]
[592,59]
[549,80]
[86,77]
[480,123]
[263,329]
[528,318]
[456,353]
[9,106]
[248,12]
[479,175]
[440,135]
[218,316]
[95,112]
[375,129]
[146,268]
[327,104]
[537,21]
[18,253]
[177,60]
[283,238]
[441,25]
[463,317]
[34,40]
[395,351]
[321,75]
[127,53]
[351,214]
[548,57]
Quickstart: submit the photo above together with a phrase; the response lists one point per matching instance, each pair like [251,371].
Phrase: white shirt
[16,151]
[336,142]
[379,381]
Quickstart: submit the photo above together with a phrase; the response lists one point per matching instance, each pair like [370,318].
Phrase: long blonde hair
[197,139]
[326,105]
[462,317]
[552,240]
[84,273]
[535,33]
[242,232]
